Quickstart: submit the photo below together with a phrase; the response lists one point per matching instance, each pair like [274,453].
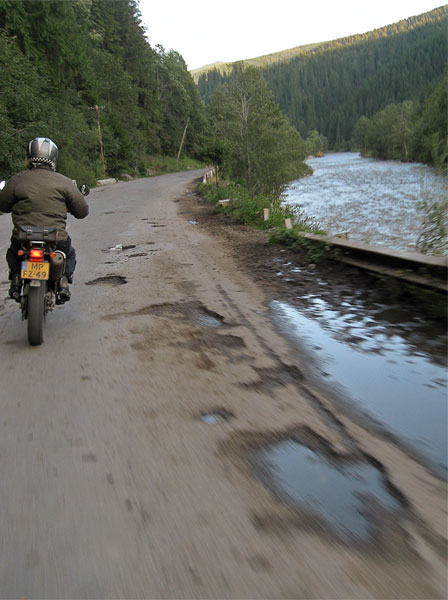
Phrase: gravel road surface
[115,486]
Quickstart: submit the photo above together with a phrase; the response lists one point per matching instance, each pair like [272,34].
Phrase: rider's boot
[64,294]
[15,287]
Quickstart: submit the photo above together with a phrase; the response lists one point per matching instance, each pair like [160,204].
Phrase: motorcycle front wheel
[36,313]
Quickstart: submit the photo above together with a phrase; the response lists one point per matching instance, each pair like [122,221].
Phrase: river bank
[386,330]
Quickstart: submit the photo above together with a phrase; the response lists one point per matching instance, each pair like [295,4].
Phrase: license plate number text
[35,270]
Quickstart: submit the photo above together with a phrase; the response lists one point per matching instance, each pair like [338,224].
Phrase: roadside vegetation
[255,153]
[159,165]
[236,202]
[410,131]
[83,73]
[433,236]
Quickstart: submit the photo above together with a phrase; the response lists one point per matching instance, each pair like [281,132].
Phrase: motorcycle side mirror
[2,184]
[84,189]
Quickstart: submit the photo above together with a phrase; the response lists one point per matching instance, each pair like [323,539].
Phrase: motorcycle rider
[40,197]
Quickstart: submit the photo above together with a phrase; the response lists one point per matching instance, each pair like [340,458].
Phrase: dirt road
[113,486]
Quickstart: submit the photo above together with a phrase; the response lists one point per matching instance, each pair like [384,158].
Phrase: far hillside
[260,61]
[328,86]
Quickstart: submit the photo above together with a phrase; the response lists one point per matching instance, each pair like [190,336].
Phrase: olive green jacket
[41,198]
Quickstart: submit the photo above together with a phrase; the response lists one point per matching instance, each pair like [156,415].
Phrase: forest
[75,70]
[328,87]
[410,131]
[83,73]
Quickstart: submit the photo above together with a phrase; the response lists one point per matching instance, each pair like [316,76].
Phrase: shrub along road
[113,485]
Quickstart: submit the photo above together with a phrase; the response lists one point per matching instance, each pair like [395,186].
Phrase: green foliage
[258,145]
[248,209]
[414,131]
[387,134]
[158,165]
[218,152]
[316,143]
[429,141]
[433,237]
[61,58]
[286,56]
[22,109]
[327,87]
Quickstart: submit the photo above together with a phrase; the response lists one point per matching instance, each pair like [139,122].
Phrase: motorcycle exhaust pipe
[57,265]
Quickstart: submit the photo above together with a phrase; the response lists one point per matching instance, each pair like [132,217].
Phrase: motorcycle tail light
[36,255]
[20,252]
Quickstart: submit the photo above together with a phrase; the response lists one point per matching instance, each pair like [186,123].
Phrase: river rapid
[375,201]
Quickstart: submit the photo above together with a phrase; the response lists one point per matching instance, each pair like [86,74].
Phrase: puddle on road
[119,248]
[351,498]
[368,364]
[108,280]
[194,310]
[203,316]
[216,416]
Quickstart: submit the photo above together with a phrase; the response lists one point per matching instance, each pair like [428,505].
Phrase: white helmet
[43,151]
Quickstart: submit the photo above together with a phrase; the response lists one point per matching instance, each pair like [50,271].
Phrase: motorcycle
[41,271]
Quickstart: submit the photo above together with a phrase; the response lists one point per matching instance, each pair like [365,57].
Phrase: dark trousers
[14,261]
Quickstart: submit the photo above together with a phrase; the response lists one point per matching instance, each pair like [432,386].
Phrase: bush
[248,209]
[158,165]
[83,173]
[433,236]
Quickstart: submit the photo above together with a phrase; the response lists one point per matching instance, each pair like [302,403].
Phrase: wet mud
[362,338]
[348,496]
[108,280]
[194,311]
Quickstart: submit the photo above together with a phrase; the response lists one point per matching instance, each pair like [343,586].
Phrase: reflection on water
[347,494]
[373,366]
[376,201]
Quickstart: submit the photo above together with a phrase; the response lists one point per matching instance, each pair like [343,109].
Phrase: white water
[375,201]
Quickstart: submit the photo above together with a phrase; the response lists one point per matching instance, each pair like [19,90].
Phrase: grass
[159,165]
[248,209]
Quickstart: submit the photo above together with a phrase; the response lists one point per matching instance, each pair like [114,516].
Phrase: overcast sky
[208,31]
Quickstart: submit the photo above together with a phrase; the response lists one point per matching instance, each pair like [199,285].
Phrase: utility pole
[183,139]
[100,138]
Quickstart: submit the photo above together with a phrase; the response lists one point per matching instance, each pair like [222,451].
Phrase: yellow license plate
[35,270]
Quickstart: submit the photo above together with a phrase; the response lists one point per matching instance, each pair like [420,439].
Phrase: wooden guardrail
[419,269]
[106,181]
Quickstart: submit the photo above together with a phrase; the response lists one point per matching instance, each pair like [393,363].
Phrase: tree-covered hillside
[330,86]
[72,69]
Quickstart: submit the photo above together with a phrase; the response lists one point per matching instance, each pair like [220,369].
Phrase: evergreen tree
[327,87]
[408,131]
[61,59]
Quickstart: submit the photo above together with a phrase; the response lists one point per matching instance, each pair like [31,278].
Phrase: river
[382,354]
[375,201]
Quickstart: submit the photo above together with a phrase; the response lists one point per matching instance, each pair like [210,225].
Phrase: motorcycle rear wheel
[36,313]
